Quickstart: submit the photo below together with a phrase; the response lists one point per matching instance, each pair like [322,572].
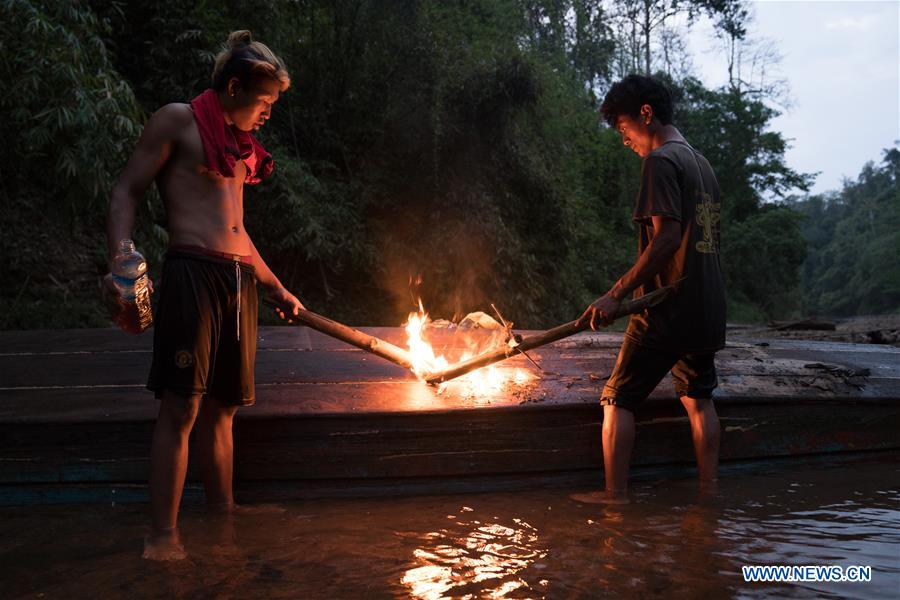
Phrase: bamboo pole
[627,307]
[354,337]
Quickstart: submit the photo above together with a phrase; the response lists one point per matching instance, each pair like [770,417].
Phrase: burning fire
[423,358]
[482,382]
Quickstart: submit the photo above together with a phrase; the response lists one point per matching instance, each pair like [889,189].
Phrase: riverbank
[865,329]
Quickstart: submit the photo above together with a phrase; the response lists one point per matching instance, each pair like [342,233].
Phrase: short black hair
[626,97]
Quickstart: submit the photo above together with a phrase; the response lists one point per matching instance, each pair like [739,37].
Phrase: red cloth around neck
[225,144]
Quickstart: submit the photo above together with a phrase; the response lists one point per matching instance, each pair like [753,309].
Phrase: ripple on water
[669,542]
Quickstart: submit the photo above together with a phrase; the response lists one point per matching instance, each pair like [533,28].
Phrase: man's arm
[666,239]
[151,153]
[287,301]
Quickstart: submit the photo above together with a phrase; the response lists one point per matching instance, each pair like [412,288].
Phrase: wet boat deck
[76,420]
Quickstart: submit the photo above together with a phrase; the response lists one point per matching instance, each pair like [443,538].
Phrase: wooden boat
[76,420]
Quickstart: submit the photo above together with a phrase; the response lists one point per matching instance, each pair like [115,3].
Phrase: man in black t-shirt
[677,212]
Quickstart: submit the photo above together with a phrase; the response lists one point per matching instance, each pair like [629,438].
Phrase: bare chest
[188,161]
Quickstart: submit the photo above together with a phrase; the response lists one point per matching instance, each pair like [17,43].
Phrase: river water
[671,541]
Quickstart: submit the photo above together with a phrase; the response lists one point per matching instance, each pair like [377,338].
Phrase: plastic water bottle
[129,271]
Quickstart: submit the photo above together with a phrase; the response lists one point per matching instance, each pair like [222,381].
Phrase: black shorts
[204,339]
[639,370]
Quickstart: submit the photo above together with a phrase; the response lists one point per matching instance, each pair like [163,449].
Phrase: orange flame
[487,381]
[423,358]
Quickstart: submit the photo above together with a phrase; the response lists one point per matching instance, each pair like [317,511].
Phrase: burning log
[354,337]
[551,335]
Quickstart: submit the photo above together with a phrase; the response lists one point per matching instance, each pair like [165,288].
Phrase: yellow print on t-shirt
[708,214]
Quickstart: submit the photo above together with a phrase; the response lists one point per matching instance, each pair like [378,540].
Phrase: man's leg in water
[618,440]
[637,372]
[168,466]
[215,444]
[705,431]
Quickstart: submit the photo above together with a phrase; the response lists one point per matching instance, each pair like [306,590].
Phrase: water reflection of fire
[489,554]
[482,335]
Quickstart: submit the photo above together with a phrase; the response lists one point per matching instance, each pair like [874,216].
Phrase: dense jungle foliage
[853,237]
[448,150]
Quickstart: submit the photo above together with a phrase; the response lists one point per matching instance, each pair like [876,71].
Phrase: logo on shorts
[183,359]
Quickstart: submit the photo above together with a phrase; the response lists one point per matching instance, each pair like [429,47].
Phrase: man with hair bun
[201,155]
[677,213]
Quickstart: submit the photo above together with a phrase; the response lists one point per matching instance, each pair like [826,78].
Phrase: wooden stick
[627,307]
[354,337]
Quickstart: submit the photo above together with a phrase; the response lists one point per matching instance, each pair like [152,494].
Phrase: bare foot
[708,492]
[163,545]
[709,486]
[601,497]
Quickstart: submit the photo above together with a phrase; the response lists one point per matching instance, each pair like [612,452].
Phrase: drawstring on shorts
[237,276]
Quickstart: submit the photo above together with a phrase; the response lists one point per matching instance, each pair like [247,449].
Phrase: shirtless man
[204,344]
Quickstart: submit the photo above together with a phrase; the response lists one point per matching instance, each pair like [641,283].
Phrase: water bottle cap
[126,246]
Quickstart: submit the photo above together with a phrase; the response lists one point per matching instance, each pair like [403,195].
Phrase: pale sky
[841,60]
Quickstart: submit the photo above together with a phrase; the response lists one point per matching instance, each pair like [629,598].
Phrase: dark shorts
[204,339]
[640,369]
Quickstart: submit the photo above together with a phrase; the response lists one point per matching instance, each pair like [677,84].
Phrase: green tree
[444,150]
[69,119]
[731,128]
[853,237]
